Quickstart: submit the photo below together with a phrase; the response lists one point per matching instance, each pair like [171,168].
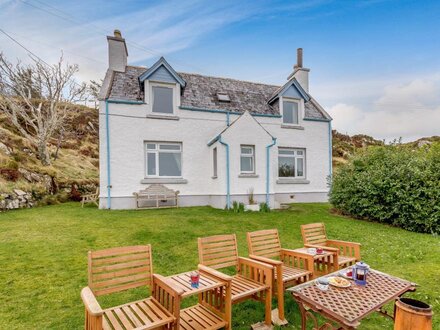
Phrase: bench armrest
[298,259]
[90,302]
[265,260]
[349,249]
[214,273]
[256,270]
[324,247]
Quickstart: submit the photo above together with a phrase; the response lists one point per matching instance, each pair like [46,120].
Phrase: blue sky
[375,65]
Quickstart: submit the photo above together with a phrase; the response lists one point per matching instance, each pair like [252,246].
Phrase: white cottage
[213,139]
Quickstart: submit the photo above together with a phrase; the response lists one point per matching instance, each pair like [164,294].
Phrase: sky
[375,65]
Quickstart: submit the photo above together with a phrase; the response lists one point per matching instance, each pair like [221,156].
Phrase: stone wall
[16,200]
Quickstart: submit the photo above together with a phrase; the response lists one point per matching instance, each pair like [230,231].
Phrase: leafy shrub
[237,207]
[264,207]
[392,184]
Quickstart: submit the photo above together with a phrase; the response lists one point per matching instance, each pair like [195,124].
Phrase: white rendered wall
[130,127]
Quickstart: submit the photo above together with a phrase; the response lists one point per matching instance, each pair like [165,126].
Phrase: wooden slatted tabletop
[183,281]
[316,255]
[348,306]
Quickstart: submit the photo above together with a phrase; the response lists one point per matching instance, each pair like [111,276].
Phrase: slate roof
[201,92]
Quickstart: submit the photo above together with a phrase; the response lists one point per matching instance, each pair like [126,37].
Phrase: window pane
[300,152]
[246,150]
[169,147]
[170,164]
[246,164]
[214,159]
[286,166]
[162,100]
[290,112]
[300,166]
[151,163]
[151,146]
[286,152]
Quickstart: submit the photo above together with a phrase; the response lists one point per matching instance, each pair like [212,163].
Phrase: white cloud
[410,111]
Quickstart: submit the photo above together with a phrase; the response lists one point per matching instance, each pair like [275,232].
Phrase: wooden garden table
[210,292]
[324,263]
[344,308]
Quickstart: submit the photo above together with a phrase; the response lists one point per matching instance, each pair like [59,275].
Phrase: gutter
[228,185]
[330,148]
[107,138]
[274,141]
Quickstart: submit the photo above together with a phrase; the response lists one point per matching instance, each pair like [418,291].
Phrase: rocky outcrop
[16,200]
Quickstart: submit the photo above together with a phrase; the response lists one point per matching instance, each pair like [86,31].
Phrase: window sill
[292,181]
[166,117]
[214,177]
[164,180]
[292,126]
[248,175]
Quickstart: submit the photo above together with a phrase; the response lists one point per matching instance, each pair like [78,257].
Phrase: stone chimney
[117,52]
[300,73]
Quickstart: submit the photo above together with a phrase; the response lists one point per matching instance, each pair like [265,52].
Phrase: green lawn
[43,263]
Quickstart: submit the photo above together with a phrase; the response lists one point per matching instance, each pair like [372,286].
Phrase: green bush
[392,184]
[264,207]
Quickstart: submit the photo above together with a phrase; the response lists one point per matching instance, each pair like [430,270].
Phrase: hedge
[392,184]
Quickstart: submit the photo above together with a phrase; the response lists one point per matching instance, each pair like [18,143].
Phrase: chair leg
[268,303]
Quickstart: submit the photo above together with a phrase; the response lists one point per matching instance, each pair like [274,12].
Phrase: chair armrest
[167,285]
[90,302]
[214,273]
[265,260]
[324,247]
[254,263]
[298,259]
[349,249]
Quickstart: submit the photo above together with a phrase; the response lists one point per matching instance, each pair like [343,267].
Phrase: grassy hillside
[76,160]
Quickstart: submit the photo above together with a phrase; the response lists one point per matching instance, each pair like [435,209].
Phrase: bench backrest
[314,233]
[157,189]
[120,269]
[264,243]
[218,251]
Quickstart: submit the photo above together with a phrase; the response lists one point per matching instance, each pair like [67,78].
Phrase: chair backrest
[314,233]
[264,243]
[218,251]
[119,269]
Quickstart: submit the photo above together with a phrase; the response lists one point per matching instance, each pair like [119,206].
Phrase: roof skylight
[223,97]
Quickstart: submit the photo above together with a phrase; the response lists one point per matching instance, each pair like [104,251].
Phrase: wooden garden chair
[120,269]
[290,266]
[314,235]
[90,198]
[253,279]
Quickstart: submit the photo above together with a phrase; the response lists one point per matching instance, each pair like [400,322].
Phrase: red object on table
[195,277]
[319,250]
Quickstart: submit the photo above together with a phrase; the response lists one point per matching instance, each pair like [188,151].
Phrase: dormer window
[223,97]
[291,112]
[162,99]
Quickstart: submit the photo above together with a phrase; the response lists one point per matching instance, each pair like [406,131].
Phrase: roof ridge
[210,76]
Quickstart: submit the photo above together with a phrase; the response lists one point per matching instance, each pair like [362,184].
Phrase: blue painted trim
[107,137]
[287,86]
[227,112]
[228,121]
[124,101]
[157,65]
[317,119]
[214,140]
[330,149]
[228,185]
[274,141]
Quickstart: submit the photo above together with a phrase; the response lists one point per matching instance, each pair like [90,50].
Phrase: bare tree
[37,119]
[93,89]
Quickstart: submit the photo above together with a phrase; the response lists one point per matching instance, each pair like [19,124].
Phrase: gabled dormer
[162,89]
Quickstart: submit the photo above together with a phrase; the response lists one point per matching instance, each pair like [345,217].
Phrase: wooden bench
[314,235]
[119,269]
[290,267]
[90,198]
[253,279]
[156,193]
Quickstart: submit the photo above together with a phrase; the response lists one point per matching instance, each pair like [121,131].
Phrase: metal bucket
[411,314]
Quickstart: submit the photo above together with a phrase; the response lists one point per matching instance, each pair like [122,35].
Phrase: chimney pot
[299,58]
[117,34]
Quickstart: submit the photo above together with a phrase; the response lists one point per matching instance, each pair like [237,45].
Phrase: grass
[43,263]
